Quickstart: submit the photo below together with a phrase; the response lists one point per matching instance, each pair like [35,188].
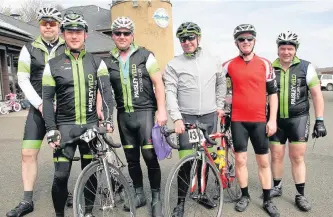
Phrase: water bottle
[221,157]
[215,158]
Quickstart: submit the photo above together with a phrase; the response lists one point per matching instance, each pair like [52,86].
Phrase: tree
[29,8]
[6,10]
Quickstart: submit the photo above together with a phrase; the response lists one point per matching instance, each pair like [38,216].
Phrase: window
[326,76]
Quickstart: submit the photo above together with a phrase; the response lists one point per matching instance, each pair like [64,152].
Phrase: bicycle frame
[203,148]
[101,156]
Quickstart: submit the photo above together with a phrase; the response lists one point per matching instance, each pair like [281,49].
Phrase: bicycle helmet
[188,28]
[122,22]
[288,37]
[243,28]
[49,14]
[73,21]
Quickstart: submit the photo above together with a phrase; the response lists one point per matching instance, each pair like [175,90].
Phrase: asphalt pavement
[318,188]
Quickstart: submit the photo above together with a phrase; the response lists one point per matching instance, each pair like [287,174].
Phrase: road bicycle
[202,165]
[102,177]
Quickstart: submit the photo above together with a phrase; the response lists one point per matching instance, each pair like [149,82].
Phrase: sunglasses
[242,39]
[122,33]
[51,23]
[185,38]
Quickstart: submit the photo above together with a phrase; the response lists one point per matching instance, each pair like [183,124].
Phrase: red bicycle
[202,176]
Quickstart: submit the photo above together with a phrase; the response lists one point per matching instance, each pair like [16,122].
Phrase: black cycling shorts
[256,131]
[295,130]
[135,129]
[183,139]
[34,130]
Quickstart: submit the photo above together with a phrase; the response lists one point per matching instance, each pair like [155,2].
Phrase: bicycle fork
[109,184]
[202,172]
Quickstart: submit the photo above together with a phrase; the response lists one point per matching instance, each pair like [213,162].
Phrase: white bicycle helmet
[122,22]
[288,37]
[49,13]
[243,28]
[73,21]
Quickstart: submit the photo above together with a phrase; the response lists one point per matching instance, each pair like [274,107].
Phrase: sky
[311,20]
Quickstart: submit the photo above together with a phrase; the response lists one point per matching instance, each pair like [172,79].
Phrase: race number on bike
[193,136]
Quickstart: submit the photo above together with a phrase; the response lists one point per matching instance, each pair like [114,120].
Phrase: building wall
[4,79]
[147,32]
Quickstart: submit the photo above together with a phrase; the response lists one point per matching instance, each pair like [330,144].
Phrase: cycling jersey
[195,85]
[251,82]
[75,82]
[33,57]
[133,88]
[293,87]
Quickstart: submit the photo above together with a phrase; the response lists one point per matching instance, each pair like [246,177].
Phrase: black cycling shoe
[156,204]
[140,199]
[23,208]
[178,211]
[302,203]
[69,202]
[271,209]
[205,201]
[242,203]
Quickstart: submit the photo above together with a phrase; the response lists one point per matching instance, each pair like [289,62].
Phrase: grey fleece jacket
[194,85]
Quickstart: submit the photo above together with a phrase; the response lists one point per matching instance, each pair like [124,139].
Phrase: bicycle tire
[4,110]
[89,170]
[172,175]
[234,194]
[19,107]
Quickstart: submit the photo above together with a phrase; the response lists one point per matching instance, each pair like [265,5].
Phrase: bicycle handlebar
[203,127]
[98,131]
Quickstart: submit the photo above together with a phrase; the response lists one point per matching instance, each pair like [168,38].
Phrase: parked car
[326,82]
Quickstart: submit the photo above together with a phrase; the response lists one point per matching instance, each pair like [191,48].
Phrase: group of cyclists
[70,89]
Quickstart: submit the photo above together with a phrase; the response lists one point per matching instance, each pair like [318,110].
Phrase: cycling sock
[300,188]
[277,182]
[27,196]
[266,194]
[245,191]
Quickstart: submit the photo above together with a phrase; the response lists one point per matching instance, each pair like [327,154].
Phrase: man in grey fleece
[195,90]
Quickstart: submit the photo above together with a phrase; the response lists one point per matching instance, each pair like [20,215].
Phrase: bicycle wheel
[233,188]
[92,182]
[4,110]
[186,186]
[17,107]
